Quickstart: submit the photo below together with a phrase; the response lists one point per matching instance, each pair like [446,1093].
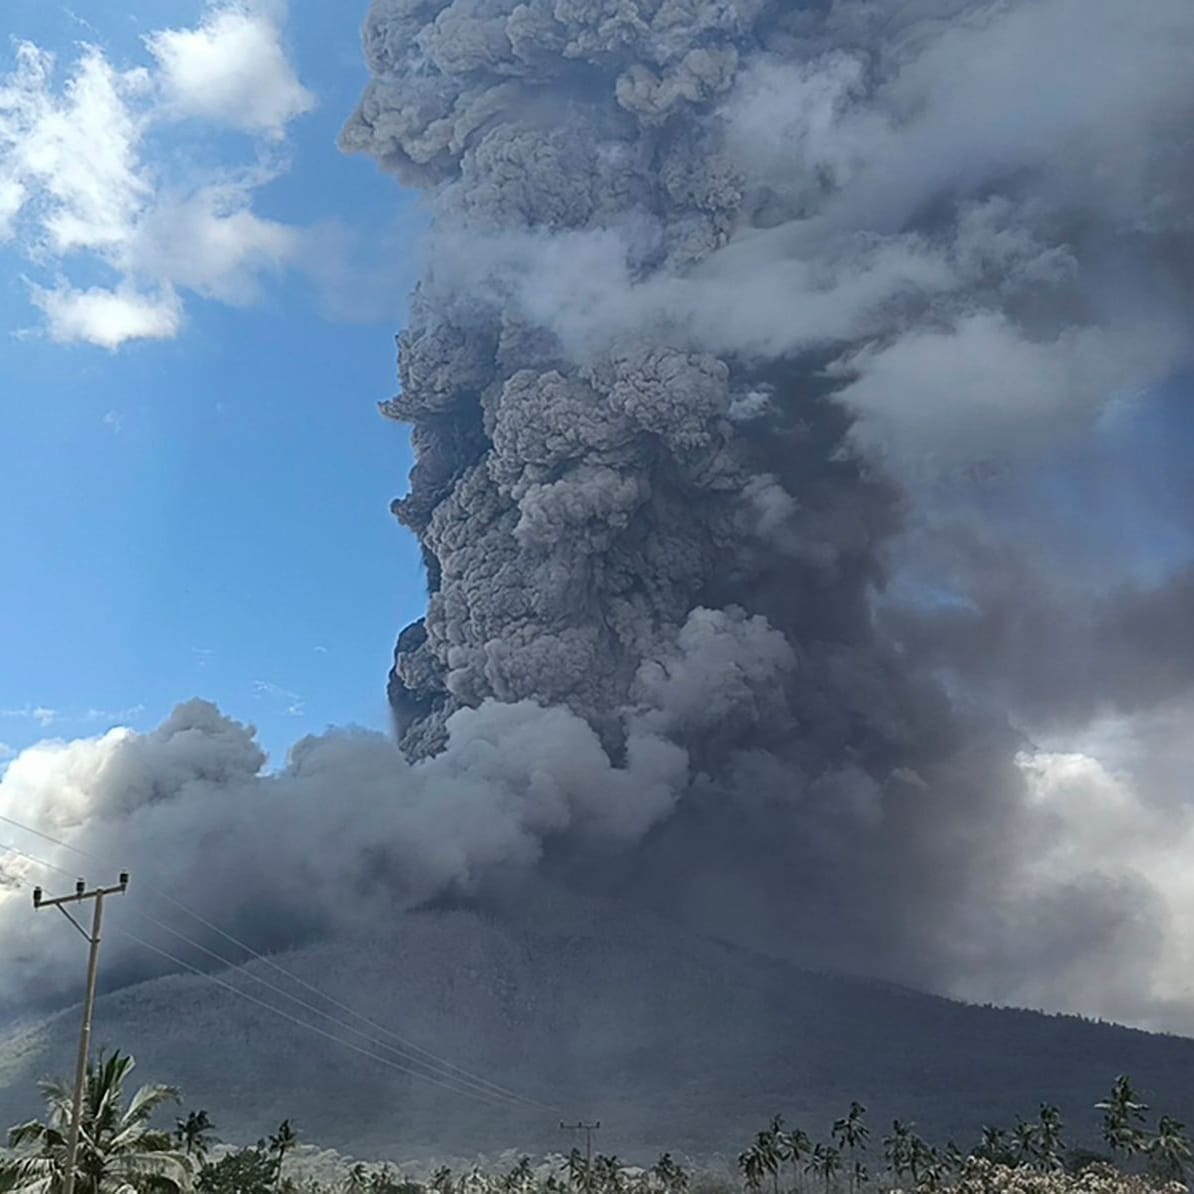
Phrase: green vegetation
[258,1170]
[194,1134]
[1029,1148]
[120,1153]
[246,1171]
[118,1150]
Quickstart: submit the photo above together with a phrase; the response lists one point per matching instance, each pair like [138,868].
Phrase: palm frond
[155,1184]
[161,1142]
[146,1101]
[32,1132]
[119,1153]
[59,1098]
[164,1170]
[28,1175]
[142,1140]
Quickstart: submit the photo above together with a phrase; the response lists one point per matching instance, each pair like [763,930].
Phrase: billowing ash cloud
[752,342]
[346,832]
[725,303]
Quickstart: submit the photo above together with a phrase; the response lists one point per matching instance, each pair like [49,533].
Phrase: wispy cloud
[42,714]
[45,716]
[113,716]
[79,187]
[294,702]
[82,22]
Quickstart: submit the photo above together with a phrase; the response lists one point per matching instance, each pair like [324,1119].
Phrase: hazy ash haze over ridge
[799,396]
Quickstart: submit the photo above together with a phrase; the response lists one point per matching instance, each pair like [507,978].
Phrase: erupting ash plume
[755,355]
[614,519]
[711,285]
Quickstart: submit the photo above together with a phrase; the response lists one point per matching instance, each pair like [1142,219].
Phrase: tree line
[121,1152]
[1162,1153]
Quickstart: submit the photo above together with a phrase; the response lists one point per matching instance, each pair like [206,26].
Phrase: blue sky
[201,508]
[206,513]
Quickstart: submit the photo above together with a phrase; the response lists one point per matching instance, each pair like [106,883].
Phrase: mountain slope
[671,1041]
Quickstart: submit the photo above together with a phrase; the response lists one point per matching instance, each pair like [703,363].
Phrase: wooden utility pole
[80,894]
[588,1130]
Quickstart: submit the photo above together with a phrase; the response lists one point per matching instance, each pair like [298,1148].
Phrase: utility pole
[80,894]
[588,1130]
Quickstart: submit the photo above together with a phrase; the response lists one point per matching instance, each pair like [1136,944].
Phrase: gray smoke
[748,341]
[341,837]
[723,302]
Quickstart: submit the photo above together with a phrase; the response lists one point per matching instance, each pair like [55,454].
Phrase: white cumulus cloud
[97,173]
[108,318]
[231,69]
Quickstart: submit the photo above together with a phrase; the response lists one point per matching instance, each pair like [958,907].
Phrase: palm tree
[521,1178]
[825,1161]
[474,1182]
[196,1134]
[955,1158]
[795,1147]
[751,1165]
[908,1153]
[1169,1150]
[384,1180]
[280,1143]
[1049,1142]
[609,1174]
[117,1147]
[577,1168]
[669,1175]
[929,1169]
[769,1146]
[851,1134]
[1025,1144]
[851,1131]
[1121,1113]
[898,1148]
[995,1146]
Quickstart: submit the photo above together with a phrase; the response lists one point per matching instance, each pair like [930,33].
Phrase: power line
[414,1053]
[32,858]
[491,1092]
[351,1011]
[489,1089]
[434,1080]
[386,1061]
[410,1046]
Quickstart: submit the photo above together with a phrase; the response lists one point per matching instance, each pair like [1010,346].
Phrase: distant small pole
[81,893]
[588,1130]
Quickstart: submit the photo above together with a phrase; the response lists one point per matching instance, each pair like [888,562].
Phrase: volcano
[671,1041]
